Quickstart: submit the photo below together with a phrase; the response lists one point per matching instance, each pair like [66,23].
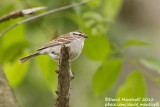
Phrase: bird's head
[78,34]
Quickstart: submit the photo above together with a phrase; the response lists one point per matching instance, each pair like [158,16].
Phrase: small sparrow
[74,40]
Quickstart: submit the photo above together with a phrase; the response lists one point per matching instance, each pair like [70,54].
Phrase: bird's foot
[57,92]
[57,71]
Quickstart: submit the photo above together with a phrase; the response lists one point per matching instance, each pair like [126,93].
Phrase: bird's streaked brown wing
[64,39]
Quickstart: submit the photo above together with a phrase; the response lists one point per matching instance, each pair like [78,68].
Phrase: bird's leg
[71,75]
[57,92]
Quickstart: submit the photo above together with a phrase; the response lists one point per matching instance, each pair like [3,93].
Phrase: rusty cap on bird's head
[81,34]
[79,31]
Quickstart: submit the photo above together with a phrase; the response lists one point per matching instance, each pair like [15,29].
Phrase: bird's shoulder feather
[64,39]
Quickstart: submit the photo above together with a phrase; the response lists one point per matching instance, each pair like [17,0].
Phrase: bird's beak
[85,36]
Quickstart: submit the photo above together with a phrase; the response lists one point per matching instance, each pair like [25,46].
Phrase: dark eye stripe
[74,33]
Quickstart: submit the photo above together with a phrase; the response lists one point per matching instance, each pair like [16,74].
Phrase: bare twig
[20,13]
[7,97]
[64,78]
[44,14]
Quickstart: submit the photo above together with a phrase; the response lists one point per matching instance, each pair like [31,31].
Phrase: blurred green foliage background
[120,57]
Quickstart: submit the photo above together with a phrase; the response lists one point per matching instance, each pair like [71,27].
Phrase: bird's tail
[22,60]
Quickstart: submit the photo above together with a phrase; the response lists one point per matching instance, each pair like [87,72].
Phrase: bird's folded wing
[58,41]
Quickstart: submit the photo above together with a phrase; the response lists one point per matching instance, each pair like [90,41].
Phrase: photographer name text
[139,102]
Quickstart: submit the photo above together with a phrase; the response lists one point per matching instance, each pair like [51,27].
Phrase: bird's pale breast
[54,52]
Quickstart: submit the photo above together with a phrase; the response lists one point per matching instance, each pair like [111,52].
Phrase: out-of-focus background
[121,57]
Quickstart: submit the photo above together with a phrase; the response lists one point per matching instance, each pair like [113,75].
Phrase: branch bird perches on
[64,78]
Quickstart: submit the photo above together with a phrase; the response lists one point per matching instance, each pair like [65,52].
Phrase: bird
[74,40]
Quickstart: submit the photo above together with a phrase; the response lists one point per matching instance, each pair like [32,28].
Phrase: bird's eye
[80,34]
[77,34]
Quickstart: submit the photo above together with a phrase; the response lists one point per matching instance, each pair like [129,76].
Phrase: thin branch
[44,14]
[7,96]
[64,78]
[20,13]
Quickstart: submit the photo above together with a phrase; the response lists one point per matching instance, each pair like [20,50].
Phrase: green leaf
[135,42]
[151,63]
[49,67]
[94,4]
[14,35]
[13,51]
[106,76]
[134,87]
[95,22]
[16,72]
[12,43]
[97,47]
[111,8]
